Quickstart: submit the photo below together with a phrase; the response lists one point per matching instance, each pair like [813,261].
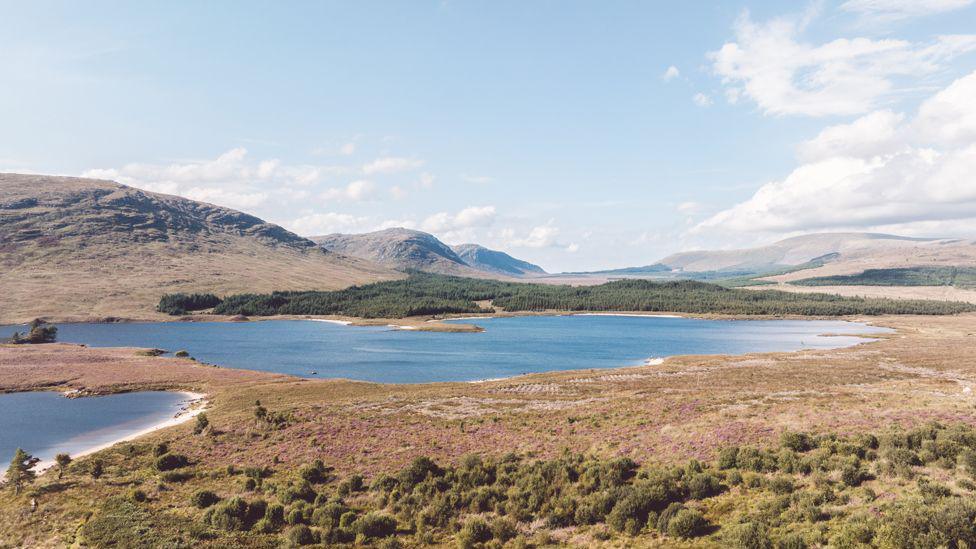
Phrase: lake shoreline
[195,405]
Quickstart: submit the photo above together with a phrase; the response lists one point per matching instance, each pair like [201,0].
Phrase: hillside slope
[83,248]
[494,261]
[408,249]
[792,251]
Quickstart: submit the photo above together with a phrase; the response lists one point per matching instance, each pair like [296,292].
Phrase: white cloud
[690,207]
[358,190]
[325,223]
[892,10]
[474,216]
[878,171]
[426,181]
[541,236]
[769,64]
[392,164]
[481,179]
[702,100]
[670,74]
[348,149]
[398,193]
[869,135]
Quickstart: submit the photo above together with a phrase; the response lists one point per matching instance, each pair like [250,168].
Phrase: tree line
[431,294]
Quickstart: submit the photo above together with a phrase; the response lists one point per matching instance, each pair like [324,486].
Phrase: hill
[83,248]
[411,250]
[825,254]
[493,261]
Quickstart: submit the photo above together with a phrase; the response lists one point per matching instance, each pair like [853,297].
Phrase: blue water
[509,346]
[47,423]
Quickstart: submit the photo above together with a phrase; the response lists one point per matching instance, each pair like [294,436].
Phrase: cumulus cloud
[893,10]
[229,180]
[474,216]
[670,74]
[392,164]
[328,222]
[882,170]
[770,64]
[541,236]
[358,190]
[481,179]
[702,100]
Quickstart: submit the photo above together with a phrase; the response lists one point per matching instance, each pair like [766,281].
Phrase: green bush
[170,461]
[138,496]
[300,535]
[204,498]
[474,531]
[375,525]
[798,442]
[747,535]
[687,523]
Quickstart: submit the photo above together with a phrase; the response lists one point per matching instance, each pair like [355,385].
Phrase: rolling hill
[82,248]
[493,261]
[408,249]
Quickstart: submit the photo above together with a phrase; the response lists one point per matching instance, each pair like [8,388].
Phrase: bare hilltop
[74,248]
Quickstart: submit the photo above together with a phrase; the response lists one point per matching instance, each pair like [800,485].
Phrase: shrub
[160,449]
[781,485]
[375,525]
[204,498]
[168,462]
[229,515]
[417,471]
[664,519]
[747,535]
[688,523]
[275,515]
[727,457]
[201,424]
[853,475]
[798,442]
[703,485]
[794,541]
[300,535]
[138,496]
[504,529]
[474,531]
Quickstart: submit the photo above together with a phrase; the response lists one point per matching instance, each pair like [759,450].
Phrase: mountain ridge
[409,249]
[84,248]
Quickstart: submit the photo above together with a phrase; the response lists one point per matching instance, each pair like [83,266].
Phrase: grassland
[658,416]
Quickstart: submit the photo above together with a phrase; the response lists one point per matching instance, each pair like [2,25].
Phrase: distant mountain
[73,247]
[407,249]
[808,255]
[789,252]
[493,261]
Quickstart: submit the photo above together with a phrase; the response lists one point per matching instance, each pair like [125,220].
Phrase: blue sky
[557,131]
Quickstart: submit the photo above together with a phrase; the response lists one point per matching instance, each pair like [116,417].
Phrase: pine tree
[21,470]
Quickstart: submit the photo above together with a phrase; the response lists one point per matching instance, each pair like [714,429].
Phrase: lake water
[509,346]
[46,423]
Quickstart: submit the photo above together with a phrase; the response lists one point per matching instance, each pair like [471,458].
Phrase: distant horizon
[580,138]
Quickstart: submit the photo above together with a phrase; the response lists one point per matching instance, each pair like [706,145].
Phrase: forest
[961,277]
[429,294]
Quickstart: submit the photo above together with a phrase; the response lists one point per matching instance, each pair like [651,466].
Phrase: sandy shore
[195,405]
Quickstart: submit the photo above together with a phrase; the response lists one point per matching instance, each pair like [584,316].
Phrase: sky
[576,135]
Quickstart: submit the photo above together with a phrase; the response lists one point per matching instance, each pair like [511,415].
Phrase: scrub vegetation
[428,294]
[898,488]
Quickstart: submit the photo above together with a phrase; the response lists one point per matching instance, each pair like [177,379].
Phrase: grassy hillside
[83,248]
[427,294]
[962,277]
